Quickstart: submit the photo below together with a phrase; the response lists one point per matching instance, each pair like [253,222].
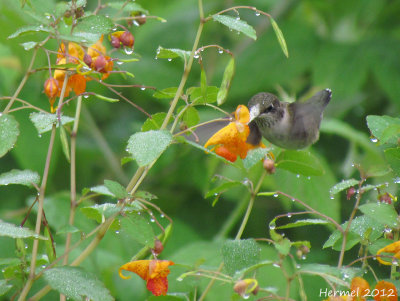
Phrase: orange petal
[360,287]
[386,291]
[139,267]
[159,268]
[78,83]
[242,114]
[97,49]
[158,286]
[393,248]
[225,153]
[227,134]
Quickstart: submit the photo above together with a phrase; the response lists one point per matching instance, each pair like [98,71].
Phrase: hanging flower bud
[269,166]
[87,59]
[246,287]
[51,87]
[127,39]
[115,42]
[158,247]
[100,63]
[350,192]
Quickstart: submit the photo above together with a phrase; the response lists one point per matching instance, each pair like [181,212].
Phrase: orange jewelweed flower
[231,141]
[359,288]
[97,49]
[393,248]
[154,272]
[386,291]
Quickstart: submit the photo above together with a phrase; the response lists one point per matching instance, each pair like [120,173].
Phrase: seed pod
[51,87]
[115,42]
[100,63]
[87,59]
[158,247]
[269,166]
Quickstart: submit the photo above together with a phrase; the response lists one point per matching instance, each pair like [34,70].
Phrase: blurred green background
[349,46]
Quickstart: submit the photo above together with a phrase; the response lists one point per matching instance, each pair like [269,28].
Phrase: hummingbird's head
[265,109]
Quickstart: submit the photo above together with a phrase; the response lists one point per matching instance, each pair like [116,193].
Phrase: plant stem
[31,278]
[241,229]
[22,83]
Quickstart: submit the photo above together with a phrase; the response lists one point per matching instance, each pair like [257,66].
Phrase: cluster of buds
[245,287]
[387,198]
[124,38]
[93,58]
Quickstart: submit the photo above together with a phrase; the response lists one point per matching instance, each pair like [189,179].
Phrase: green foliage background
[349,46]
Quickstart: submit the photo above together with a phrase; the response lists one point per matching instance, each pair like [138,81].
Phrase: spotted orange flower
[386,291]
[359,288]
[231,141]
[154,272]
[393,248]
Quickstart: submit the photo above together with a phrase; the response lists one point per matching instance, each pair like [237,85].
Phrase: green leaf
[226,82]
[190,117]
[145,195]
[77,284]
[67,229]
[44,121]
[127,6]
[299,162]
[171,53]
[165,93]
[279,36]
[139,229]
[125,160]
[381,212]
[100,212]
[342,186]
[4,287]
[95,24]
[240,254]
[64,142]
[145,147]
[101,189]
[11,230]
[155,122]
[29,29]
[222,188]
[283,246]
[393,157]
[105,98]
[379,124]
[254,156]
[29,45]
[235,24]
[304,222]
[392,132]
[330,273]
[197,97]
[49,245]
[116,189]
[21,177]
[9,132]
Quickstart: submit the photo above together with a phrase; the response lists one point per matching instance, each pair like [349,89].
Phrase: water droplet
[114,29]
[395,262]
[26,246]
[91,27]
[387,230]
[196,56]
[272,226]
[120,62]
[41,26]
[293,200]
[257,13]
[179,279]
[276,195]
[139,213]
[43,266]
[237,18]
[162,215]
[396,180]
[345,275]
[117,232]
[308,178]
[303,257]
[152,220]
[374,258]
[230,29]
[156,58]
[3,270]
[238,32]
[387,184]
[128,50]
[220,51]
[136,23]
[374,140]
[84,41]
[332,197]
[143,88]
[86,96]
[297,176]
[169,59]
[289,215]
[48,17]
[352,165]
[246,296]
[298,266]
[276,265]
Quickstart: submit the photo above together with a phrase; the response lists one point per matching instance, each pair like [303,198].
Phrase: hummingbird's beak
[254,112]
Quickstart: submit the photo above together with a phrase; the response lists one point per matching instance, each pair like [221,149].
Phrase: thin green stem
[31,278]
[22,83]
[73,175]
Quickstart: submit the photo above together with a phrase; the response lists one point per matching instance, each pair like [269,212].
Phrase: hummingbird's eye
[268,109]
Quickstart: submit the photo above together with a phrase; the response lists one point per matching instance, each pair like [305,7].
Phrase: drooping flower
[359,288]
[154,272]
[386,291]
[393,248]
[231,141]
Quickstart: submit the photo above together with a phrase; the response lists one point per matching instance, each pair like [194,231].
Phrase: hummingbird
[288,125]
